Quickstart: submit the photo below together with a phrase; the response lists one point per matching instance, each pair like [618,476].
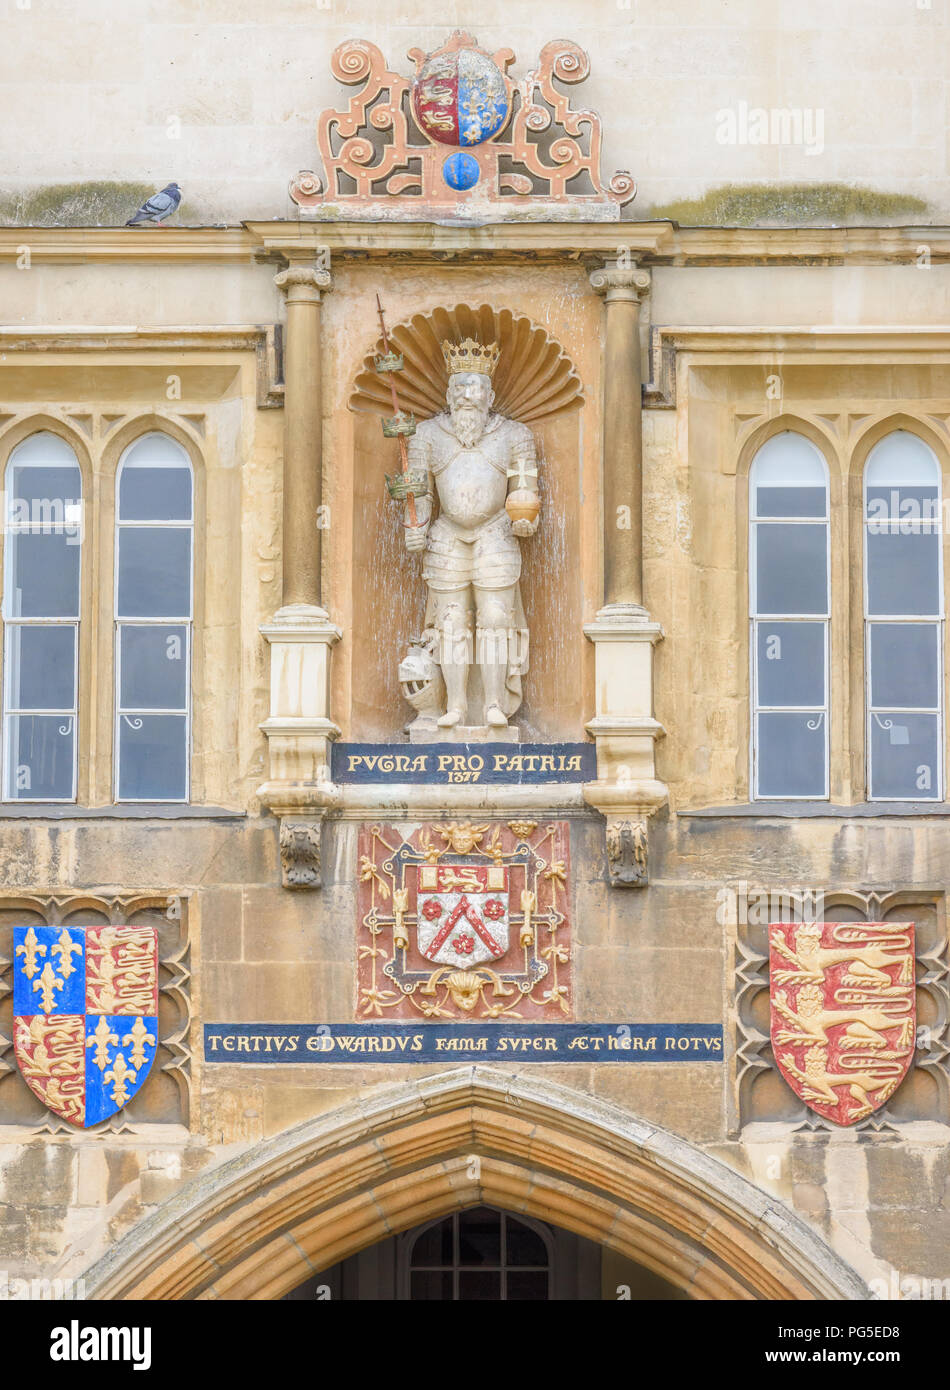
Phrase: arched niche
[537,383]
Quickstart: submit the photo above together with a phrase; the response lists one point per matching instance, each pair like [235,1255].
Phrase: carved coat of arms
[464,921]
[843,1012]
[85,1004]
[461,135]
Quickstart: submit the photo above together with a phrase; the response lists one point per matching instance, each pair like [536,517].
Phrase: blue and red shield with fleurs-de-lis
[85,1004]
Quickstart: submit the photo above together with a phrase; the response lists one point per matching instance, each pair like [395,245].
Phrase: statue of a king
[482,469]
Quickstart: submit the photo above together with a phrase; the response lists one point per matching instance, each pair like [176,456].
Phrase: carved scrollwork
[502,160]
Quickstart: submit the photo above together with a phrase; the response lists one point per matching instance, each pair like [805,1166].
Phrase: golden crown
[469,356]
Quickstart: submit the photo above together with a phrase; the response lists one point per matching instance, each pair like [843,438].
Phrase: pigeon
[158,207]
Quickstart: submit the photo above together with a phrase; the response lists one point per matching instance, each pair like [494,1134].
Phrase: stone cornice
[590,244]
[817,345]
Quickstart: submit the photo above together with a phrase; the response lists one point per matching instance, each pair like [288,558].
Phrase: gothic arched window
[153,610]
[479,1255]
[789,605]
[903,609]
[41,610]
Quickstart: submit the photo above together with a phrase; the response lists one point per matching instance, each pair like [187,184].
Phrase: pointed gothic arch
[256,1226]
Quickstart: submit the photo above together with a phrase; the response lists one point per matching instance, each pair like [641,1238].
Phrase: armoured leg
[494,622]
[453,618]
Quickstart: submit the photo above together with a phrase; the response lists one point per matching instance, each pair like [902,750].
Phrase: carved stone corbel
[627,853]
[300,865]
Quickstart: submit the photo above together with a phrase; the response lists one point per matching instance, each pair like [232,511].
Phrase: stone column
[626,791]
[303,287]
[623,289]
[299,729]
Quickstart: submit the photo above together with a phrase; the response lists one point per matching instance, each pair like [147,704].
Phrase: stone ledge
[158,810]
[793,810]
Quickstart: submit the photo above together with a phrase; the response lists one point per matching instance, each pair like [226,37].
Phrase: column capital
[303,282]
[617,282]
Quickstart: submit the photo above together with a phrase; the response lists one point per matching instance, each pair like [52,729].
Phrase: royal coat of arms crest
[843,1012]
[85,1004]
[464,921]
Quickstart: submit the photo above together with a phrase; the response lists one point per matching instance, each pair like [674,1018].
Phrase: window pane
[155,494]
[39,757]
[790,755]
[41,667]
[434,1246]
[153,664]
[430,1288]
[905,665]
[791,569]
[42,496]
[479,1237]
[904,756]
[525,1247]
[903,573]
[154,573]
[903,506]
[480,1287]
[43,576]
[524,1288]
[790,663]
[791,501]
[152,757]
[902,459]
[789,478]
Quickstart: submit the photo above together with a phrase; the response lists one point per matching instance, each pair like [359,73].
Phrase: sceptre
[399,425]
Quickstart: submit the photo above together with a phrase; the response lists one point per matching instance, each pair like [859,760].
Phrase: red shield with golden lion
[843,1012]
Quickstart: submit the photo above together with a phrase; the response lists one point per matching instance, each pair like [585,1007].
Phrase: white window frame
[756,619]
[937,620]
[13,528]
[120,622]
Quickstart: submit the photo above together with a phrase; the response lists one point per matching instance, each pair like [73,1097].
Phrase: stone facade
[681,351]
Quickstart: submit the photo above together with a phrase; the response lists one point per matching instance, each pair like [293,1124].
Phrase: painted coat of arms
[463,921]
[85,1003]
[843,1012]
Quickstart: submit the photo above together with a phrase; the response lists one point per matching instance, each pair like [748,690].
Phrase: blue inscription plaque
[364,1044]
[447,763]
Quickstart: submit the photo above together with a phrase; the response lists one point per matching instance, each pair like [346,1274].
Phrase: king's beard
[468,422]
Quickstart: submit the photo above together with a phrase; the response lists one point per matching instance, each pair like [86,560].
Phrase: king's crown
[469,356]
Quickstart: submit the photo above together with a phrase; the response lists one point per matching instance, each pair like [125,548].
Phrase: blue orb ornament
[461,171]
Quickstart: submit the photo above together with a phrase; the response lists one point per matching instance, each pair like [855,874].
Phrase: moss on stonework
[74,204]
[790,204]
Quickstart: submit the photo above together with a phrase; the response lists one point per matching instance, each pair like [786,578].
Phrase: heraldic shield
[463,913]
[843,1012]
[85,1004]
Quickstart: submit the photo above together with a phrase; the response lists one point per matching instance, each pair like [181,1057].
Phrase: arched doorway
[258,1225]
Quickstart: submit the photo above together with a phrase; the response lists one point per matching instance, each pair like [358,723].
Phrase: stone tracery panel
[760,1093]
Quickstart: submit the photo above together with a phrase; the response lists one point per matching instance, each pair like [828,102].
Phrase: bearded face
[469,398]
